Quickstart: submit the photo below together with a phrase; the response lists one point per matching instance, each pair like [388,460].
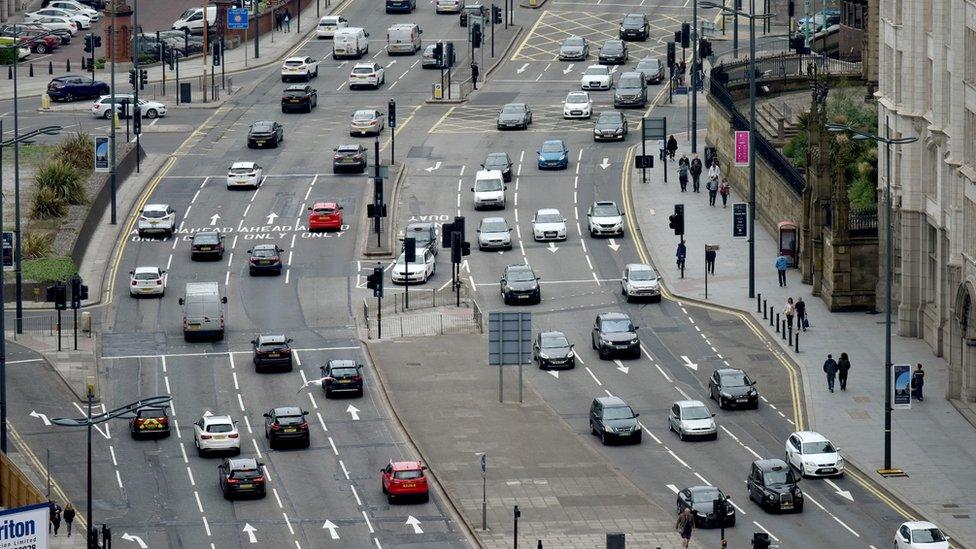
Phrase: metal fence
[864,222]
[420,298]
[41,325]
[423,321]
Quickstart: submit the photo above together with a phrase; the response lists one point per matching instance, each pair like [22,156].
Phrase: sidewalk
[932,442]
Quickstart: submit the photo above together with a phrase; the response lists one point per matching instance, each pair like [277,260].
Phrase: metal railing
[419,320]
[786,65]
[864,222]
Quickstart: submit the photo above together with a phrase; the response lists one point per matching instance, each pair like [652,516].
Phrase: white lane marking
[368,523]
[118,477]
[183,451]
[199,503]
[266,472]
[849,529]
[763,528]
[288,523]
[311,398]
[740,443]
[195,195]
[257,450]
[684,394]
[237,387]
[702,479]
[355,494]
[650,434]
[240,400]
[190,474]
[206,525]
[593,376]
[176,422]
[673,488]
[332,443]
[278,498]
[675,456]
[344,470]
[111,450]
[247,209]
[247,422]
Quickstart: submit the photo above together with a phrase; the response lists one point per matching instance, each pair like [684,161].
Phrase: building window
[933,264]
[969,151]
[897,72]
[927,85]
[969,61]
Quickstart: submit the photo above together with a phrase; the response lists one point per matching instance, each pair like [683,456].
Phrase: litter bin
[616,540]
[185,92]
[86,321]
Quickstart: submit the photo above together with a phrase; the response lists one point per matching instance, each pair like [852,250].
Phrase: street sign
[8,251]
[655,127]
[711,247]
[740,211]
[509,338]
[101,154]
[741,148]
[901,387]
[24,526]
[237,19]
[643,161]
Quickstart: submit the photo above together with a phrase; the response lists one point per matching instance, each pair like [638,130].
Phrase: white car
[72,6]
[216,434]
[329,24]
[920,535]
[418,271]
[691,418]
[640,280]
[813,455]
[604,218]
[548,224]
[577,105]
[367,74]
[244,174]
[156,219]
[55,22]
[302,68]
[82,20]
[101,108]
[147,281]
[489,189]
[596,77]
[448,6]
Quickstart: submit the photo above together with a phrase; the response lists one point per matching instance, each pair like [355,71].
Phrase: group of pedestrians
[837,369]
[796,309]
[282,19]
[56,514]
[716,183]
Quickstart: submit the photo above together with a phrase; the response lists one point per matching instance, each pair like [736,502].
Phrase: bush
[77,151]
[37,244]
[100,63]
[55,269]
[64,180]
[48,204]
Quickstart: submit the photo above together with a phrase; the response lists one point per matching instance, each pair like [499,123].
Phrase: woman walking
[686,523]
[672,147]
[843,366]
[724,190]
[69,516]
[789,310]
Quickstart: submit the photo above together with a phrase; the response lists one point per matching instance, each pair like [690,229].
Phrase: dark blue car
[553,155]
[72,87]
[400,6]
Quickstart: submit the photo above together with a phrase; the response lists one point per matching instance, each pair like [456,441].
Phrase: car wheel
[152,113]
[681,436]
[389,498]
[602,352]
[425,498]
[383,487]
[108,114]
[42,49]
[200,451]
[593,430]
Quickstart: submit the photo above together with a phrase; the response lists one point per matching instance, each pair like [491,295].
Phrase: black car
[553,350]
[610,126]
[150,423]
[298,97]
[265,134]
[264,259]
[652,69]
[342,376]
[346,158]
[272,351]
[773,486]
[700,500]
[630,91]
[614,333]
[613,52]
[207,245]
[472,10]
[519,284]
[424,234]
[634,27]
[613,419]
[499,161]
[241,477]
[71,87]
[574,48]
[514,116]
[286,424]
[732,388]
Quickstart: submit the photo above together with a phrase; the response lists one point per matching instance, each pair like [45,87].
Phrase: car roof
[702,489]
[297,58]
[288,411]
[240,165]
[155,207]
[148,269]
[369,65]
[330,18]
[488,174]
[406,465]
[212,419]
[547,211]
[513,105]
[689,403]
[263,123]
[920,525]
[342,363]
[242,463]
[552,334]
[729,371]
[401,26]
[206,233]
[323,204]
[810,436]
[271,339]
[611,401]
[613,316]
[769,464]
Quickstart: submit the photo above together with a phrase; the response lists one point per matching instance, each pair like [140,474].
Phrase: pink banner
[741,148]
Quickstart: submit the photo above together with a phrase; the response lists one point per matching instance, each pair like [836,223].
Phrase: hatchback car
[342,376]
[264,259]
[207,245]
[244,175]
[325,216]
[613,52]
[499,161]
[494,233]
[700,499]
[691,418]
[635,27]
[652,69]
[367,122]
[610,126]
[514,116]
[596,77]
[212,434]
[615,333]
[604,218]
[156,219]
[150,423]
[424,235]
[574,48]
[286,424]
[265,133]
[732,388]
[349,158]
[612,419]
[60,26]
[147,281]
[548,224]
[553,350]
[239,477]
[519,284]
[920,534]
[299,68]
[298,97]
[72,87]
[553,155]
[577,105]
[631,90]
[403,479]
[82,20]
[418,271]
[102,107]
[370,75]
[773,486]
[272,352]
[639,281]
[813,455]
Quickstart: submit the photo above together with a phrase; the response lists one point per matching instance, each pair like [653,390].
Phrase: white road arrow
[553,373]
[207,413]
[605,164]
[621,367]
[464,265]
[271,218]
[552,247]
[436,166]
[689,363]
[568,69]
[673,488]
[842,493]
[613,245]
[521,69]
[391,63]
[411,521]
[129,537]
[213,219]
[354,412]
[331,528]
[41,416]
[249,530]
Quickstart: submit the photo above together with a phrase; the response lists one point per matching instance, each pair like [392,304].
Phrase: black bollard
[31,70]
[67,65]
[771,315]
[764,309]
[83,64]
[778,325]
[797,342]
[784,330]
[50,67]
[791,337]
[758,302]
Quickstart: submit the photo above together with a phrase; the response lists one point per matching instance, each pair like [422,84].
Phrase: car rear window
[269,346]
[630,81]
[407,475]
[206,239]
[245,473]
[220,428]
[264,252]
[241,170]
[324,211]
[154,214]
[363,116]
[344,372]
[290,420]
[152,412]
[348,150]
[146,276]
[294,63]
[362,70]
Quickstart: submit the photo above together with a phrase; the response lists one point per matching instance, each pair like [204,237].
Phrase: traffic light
[137,120]
[439,54]
[760,540]
[98,40]
[143,78]
[476,35]
[685,35]
[677,37]
[496,15]
[677,220]
[448,55]
[57,294]
[410,249]
[791,10]
[374,281]
[132,78]
[79,292]
[465,248]
[89,43]
[391,113]
[799,44]
[671,48]
[215,54]
[704,48]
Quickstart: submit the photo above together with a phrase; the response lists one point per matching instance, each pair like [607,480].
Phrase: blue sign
[8,251]
[901,398]
[237,19]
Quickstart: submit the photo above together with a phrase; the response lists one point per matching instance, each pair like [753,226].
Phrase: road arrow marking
[391,63]
[42,417]
[621,367]
[613,69]
[673,488]
[521,69]
[842,493]
[411,521]
[213,219]
[553,373]
[613,245]
[250,533]
[689,363]
[271,218]
[354,412]
[605,164]
[129,537]
[436,166]
[207,413]
[568,69]
[331,528]
[464,265]
[552,247]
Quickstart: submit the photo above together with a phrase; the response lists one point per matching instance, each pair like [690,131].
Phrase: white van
[403,38]
[350,42]
[203,310]
[489,189]
[329,24]
[193,19]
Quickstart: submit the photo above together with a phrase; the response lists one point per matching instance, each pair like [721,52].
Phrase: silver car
[494,233]
[639,281]
[691,418]
[367,122]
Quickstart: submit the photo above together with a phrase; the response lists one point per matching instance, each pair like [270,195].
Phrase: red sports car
[406,479]
[325,216]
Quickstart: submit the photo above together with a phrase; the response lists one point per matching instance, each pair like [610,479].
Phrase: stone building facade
[927,89]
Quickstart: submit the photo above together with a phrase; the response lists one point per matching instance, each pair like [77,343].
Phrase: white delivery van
[489,190]
[203,310]
[193,19]
[403,38]
[350,42]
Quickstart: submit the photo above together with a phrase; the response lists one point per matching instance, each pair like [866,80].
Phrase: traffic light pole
[135,64]
[493,30]
[694,79]
[111,45]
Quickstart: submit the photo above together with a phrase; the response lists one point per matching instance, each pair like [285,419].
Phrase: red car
[325,216]
[405,478]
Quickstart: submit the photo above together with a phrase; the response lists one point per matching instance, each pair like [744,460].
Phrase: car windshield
[554,341]
[548,218]
[496,159]
[494,227]
[596,71]
[241,170]
[705,494]
[618,412]
[220,428]
[609,118]
[206,239]
[778,476]
[344,372]
[552,146]
[520,275]
[574,41]
[650,64]
[695,412]
[146,276]
[642,274]
[264,252]
[630,81]
[513,109]
[363,70]
[633,20]
[612,46]
[363,116]
[407,475]
[482,185]
[603,210]
[577,98]
[154,214]
[272,346]
[927,535]
[736,379]
[819,447]
[611,326]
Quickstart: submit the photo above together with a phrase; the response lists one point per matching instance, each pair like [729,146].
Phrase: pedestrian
[686,523]
[287,19]
[710,261]
[781,263]
[680,255]
[714,171]
[723,189]
[672,146]
[277,20]
[830,368]
[788,311]
[696,170]
[55,524]
[683,176]
[843,366]
[801,315]
[69,516]
[712,187]
[918,380]
[663,146]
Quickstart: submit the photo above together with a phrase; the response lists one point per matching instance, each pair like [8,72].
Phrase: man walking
[685,524]
[696,170]
[681,253]
[830,368]
[683,176]
[801,315]
[712,186]
[918,380]
[55,518]
[672,147]
[710,261]
[843,366]
[287,20]
[781,269]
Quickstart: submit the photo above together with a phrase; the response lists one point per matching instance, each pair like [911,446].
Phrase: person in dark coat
[672,146]
[55,518]
[683,176]
[843,366]
[918,380]
[696,171]
[801,314]
[685,525]
[681,254]
[710,261]
[830,368]
[69,516]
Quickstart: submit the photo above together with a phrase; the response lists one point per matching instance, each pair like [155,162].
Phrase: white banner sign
[25,527]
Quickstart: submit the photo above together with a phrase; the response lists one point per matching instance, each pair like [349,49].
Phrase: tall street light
[859,135]
[751,16]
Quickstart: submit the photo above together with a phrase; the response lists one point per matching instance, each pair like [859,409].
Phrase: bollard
[798,342]
[764,309]
[31,73]
[67,65]
[777,323]
[784,330]
[771,315]
[50,67]
[758,302]
[790,338]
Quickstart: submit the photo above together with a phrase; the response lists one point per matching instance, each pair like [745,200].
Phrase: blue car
[554,155]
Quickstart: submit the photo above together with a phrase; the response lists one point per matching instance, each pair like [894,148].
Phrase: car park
[75,7]
[519,284]
[37,40]
[71,87]
[920,534]
[613,52]
[82,20]
[604,218]
[812,455]
[630,91]
[614,333]
[596,77]
[367,122]
[691,418]
[286,424]
[424,235]
[494,233]
[367,74]
[732,388]
[329,24]
[350,42]
[489,190]
[299,98]
[239,477]
[700,499]
[207,245]
[342,376]
[403,38]
[265,133]
[156,219]
[193,20]
[150,280]
[499,161]
[612,419]
[102,107]
[640,281]
[349,157]
[574,48]
[271,352]
[773,486]
[325,216]
[610,126]
[216,434]
[245,174]
[577,105]
[405,479]
[56,23]
[548,224]
[264,259]
[418,271]
[553,154]
[553,350]
[150,422]
[634,27]
[652,69]
[301,68]
[514,116]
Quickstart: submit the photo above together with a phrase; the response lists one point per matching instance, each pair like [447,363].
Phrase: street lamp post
[859,135]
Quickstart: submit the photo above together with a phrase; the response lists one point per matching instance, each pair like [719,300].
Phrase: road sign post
[509,344]
[655,128]
[409,256]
